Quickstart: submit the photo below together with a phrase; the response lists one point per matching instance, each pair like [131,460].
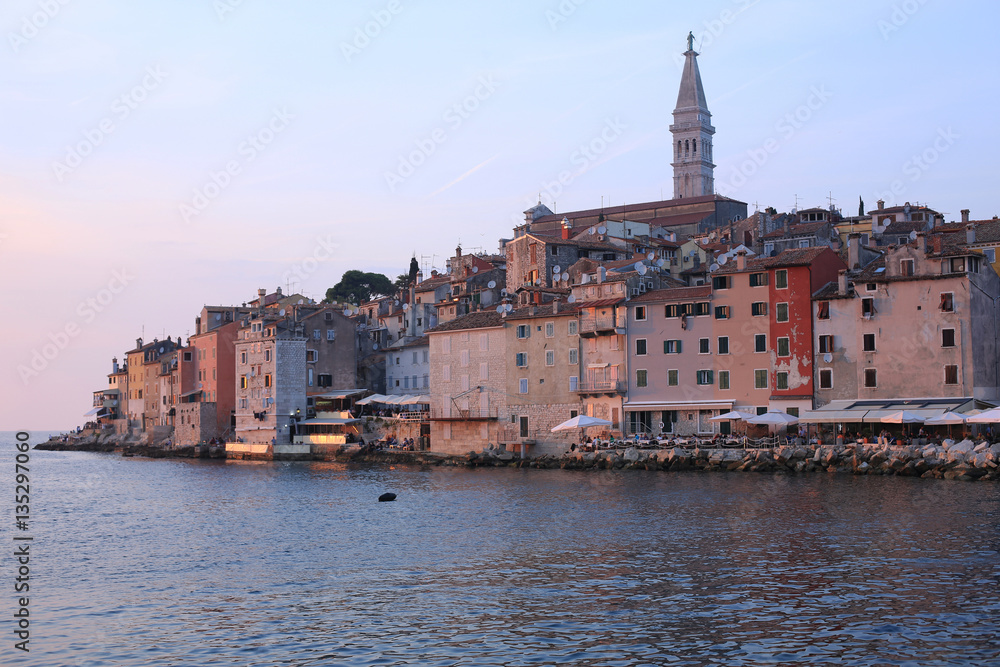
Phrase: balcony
[601,387]
[602,324]
[469,414]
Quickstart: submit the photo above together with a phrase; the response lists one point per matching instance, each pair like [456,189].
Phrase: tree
[357,287]
[414,270]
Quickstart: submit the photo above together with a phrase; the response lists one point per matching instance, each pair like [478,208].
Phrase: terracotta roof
[831,291]
[599,303]
[903,228]
[580,243]
[617,211]
[433,282]
[482,320]
[790,257]
[987,231]
[674,294]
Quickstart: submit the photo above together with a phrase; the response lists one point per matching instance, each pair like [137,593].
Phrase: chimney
[420,276]
[114,365]
[936,243]
[741,260]
[854,251]
[970,229]
[906,211]
[531,310]
[881,204]
[842,282]
[565,228]
[922,242]
[197,324]
[138,343]
[277,291]
[938,220]
[965,215]
[555,306]
[601,274]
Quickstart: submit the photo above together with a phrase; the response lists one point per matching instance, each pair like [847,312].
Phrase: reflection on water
[144,562]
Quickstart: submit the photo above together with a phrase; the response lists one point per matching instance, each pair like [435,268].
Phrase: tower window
[694,146]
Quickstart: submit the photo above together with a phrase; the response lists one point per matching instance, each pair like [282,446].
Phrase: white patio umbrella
[988,417]
[735,415]
[947,419]
[581,421]
[774,418]
[902,417]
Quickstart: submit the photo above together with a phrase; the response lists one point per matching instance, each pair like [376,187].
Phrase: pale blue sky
[183,84]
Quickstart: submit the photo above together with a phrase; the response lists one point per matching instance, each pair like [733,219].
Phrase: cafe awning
[872,411]
[416,400]
[340,393]
[190,393]
[93,412]
[374,398]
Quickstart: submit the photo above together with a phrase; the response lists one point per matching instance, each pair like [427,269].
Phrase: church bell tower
[692,133]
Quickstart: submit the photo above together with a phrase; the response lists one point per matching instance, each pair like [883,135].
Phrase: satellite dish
[406,306]
[651,256]
[508,307]
[503,291]
[375,346]
[722,260]
[556,269]
[913,235]
[602,229]
[660,263]
[500,308]
[282,312]
[565,276]
[714,267]
[395,302]
[638,266]
[491,284]
[218,316]
[475,269]
[571,299]
[590,231]
[828,357]
[642,269]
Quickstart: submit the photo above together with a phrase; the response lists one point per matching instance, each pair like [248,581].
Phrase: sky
[159,156]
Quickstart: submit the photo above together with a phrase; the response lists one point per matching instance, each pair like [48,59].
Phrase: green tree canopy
[358,286]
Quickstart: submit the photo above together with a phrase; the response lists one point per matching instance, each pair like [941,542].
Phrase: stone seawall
[963,460]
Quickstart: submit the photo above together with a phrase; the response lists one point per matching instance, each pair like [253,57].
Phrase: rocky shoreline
[963,460]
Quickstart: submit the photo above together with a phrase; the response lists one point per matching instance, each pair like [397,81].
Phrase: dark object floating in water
[387,497]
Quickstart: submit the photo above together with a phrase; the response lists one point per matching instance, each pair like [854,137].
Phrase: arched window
[694,146]
[687,147]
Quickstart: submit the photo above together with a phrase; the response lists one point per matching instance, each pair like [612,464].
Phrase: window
[826,343]
[484,372]
[947,338]
[781,312]
[521,359]
[781,279]
[574,382]
[522,386]
[672,310]
[523,330]
[804,243]
[554,250]
[704,346]
[760,343]
[760,379]
[906,267]
[823,310]
[573,327]
[781,380]
[325,380]
[720,282]
[947,302]
[267,354]
[640,313]
[315,334]
[243,357]
[671,347]
[783,347]
[871,378]
[871,287]
[869,342]
[687,309]
[524,425]
[331,334]
[671,378]
[267,380]
[758,280]
[463,358]
[640,347]
[723,344]
[310,375]
[702,308]
[722,312]
[758,308]
[243,382]
[991,255]
[187,356]
[446,373]
[704,377]
[550,357]
[640,378]
[958,265]
[951,374]
[826,378]
[723,379]
[867,307]
[550,329]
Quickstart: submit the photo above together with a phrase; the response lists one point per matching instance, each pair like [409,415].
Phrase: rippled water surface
[168,562]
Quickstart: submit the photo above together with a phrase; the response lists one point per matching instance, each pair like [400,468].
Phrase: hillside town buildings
[656,317]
